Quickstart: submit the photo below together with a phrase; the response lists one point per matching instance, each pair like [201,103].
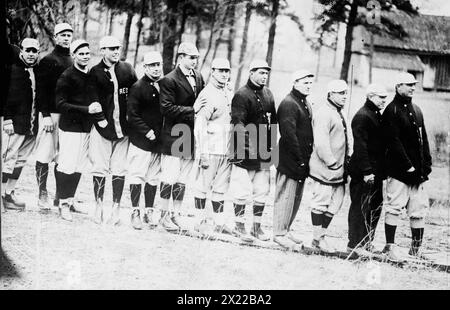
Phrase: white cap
[259,64]
[75,45]
[300,74]
[376,89]
[152,57]
[188,49]
[62,27]
[29,42]
[336,86]
[220,63]
[405,78]
[109,41]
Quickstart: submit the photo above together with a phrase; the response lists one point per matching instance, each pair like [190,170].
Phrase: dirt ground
[49,253]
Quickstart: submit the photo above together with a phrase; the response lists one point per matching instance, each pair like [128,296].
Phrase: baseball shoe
[149,218]
[205,227]
[284,241]
[98,213]
[136,219]
[258,233]
[176,219]
[12,203]
[74,208]
[360,252]
[166,222]
[115,214]
[315,245]
[43,203]
[240,232]
[390,252]
[370,248]
[293,238]
[65,212]
[416,253]
[223,229]
[326,247]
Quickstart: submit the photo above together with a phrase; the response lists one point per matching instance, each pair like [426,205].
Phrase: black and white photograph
[217,145]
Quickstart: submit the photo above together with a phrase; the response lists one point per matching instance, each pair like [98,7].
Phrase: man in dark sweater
[144,159]
[408,164]
[47,143]
[252,116]
[108,145]
[73,100]
[295,148]
[366,171]
[20,124]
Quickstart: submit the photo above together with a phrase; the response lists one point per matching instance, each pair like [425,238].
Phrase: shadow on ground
[7,269]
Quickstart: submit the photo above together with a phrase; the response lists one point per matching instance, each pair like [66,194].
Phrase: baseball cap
[109,41]
[188,49]
[30,42]
[336,86]
[220,63]
[152,57]
[376,89]
[77,44]
[259,64]
[62,27]
[405,78]
[300,74]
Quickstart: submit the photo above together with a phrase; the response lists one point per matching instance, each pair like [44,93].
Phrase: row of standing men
[161,130]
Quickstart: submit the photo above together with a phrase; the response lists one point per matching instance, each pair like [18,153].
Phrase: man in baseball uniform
[47,143]
[179,89]
[366,171]
[212,133]
[295,148]
[20,124]
[328,162]
[108,145]
[252,116]
[408,164]
[145,120]
[73,100]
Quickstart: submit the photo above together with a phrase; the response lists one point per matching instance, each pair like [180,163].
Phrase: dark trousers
[364,213]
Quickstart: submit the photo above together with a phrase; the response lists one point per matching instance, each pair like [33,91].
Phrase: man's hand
[8,128]
[369,179]
[48,124]
[95,107]
[204,161]
[151,135]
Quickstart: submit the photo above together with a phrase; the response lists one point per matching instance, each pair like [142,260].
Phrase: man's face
[406,90]
[188,61]
[153,70]
[259,76]
[82,56]
[111,54]
[64,38]
[304,85]
[29,54]
[221,75]
[340,98]
[378,100]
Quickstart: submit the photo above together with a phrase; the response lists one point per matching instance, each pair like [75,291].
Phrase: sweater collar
[402,99]
[253,85]
[371,106]
[148,79]
[24,64]
[338,107]
[298,94]
[62,50]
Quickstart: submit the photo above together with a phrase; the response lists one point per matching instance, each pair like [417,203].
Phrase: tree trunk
[272,32]
[248,15]
[85,20]
[222,27]
[138,39]
[182,23]
[211,36]
[126,35]
[169,35]
[231,32]
[198,33]
[348,40]
[112,16]
[336,41]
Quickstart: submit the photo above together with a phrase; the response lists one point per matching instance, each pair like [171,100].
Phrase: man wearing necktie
[179,89]
[20,124]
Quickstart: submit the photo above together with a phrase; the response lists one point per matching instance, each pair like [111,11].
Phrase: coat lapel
[184,82]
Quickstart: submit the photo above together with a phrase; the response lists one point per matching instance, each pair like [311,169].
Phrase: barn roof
[426,33]
[399,61]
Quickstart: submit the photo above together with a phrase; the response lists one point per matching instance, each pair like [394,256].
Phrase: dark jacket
[72,100]
[144,114]
[177,99]
[104,93]
[296,136]
[255,106]
[18,106]
[52,66]
[368,143]
[406,142]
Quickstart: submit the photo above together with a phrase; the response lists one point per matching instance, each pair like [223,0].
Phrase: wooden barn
[424,52]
